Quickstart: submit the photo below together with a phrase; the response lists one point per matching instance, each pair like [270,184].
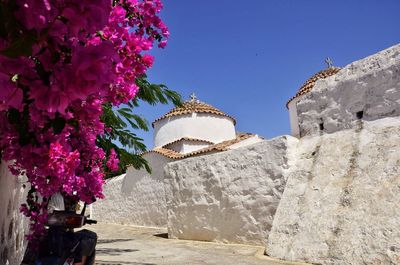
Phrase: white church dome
[194,120]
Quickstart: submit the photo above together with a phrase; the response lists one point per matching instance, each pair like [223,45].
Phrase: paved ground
[128,245]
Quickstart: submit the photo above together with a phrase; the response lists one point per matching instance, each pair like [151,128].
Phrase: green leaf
[140,123]
[118,119]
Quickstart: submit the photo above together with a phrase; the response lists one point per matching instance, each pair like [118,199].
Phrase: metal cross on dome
[329,62]
[193,97]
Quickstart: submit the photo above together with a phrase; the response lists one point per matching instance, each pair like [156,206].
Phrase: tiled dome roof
[192,106]
[309,84]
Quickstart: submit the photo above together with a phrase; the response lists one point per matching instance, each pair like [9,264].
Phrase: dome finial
[329,62]
[193,97]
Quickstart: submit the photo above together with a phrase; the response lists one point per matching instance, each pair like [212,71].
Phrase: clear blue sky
[247,58]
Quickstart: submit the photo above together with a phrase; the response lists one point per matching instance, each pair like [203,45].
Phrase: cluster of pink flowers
[60,61]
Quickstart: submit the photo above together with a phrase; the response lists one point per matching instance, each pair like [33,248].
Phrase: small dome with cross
[196,120]
[305,89]
[309,84]
[193,105]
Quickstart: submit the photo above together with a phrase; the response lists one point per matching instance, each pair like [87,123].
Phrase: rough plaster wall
[341,204]
[371,85]
[293,117]
[136,198]
[13,226]
[230,196]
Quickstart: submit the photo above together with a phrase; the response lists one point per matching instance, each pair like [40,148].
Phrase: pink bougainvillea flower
[35,14]
[50,99]
[113,161]
[90,15]
[85,53]
[90,69]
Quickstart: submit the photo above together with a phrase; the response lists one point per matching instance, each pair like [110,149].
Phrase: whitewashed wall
[230,196]
[210,127]
[13,225]
[341,202]
[137,198]
[186,146]
[293,117]
[371,85]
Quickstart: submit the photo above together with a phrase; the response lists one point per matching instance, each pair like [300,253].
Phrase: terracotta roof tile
[309,84]
[223,146]
[165,152]
[193,106]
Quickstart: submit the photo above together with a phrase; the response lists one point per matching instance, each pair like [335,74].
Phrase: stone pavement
[129,245]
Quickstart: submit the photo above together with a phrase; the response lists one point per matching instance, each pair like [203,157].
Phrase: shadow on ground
[107,241]
[114,251]
[121,263]
[162,235]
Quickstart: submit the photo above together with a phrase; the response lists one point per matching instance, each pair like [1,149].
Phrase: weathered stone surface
[137,198]
[341,201]
[370,85]
[13,225]
[230,196]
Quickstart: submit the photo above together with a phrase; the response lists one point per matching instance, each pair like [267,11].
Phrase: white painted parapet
[135,198]
[230,196]
[13,225]
[294,121]
[187,146]
[368,89]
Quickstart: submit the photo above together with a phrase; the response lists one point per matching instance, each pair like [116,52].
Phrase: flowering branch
[60,62]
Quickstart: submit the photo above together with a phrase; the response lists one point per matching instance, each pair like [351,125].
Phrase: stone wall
[230,196]
[13,225]
[368,88]
[137,198]
[341,202]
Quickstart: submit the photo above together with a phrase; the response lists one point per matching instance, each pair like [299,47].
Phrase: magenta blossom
[60,63]
[113,161]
